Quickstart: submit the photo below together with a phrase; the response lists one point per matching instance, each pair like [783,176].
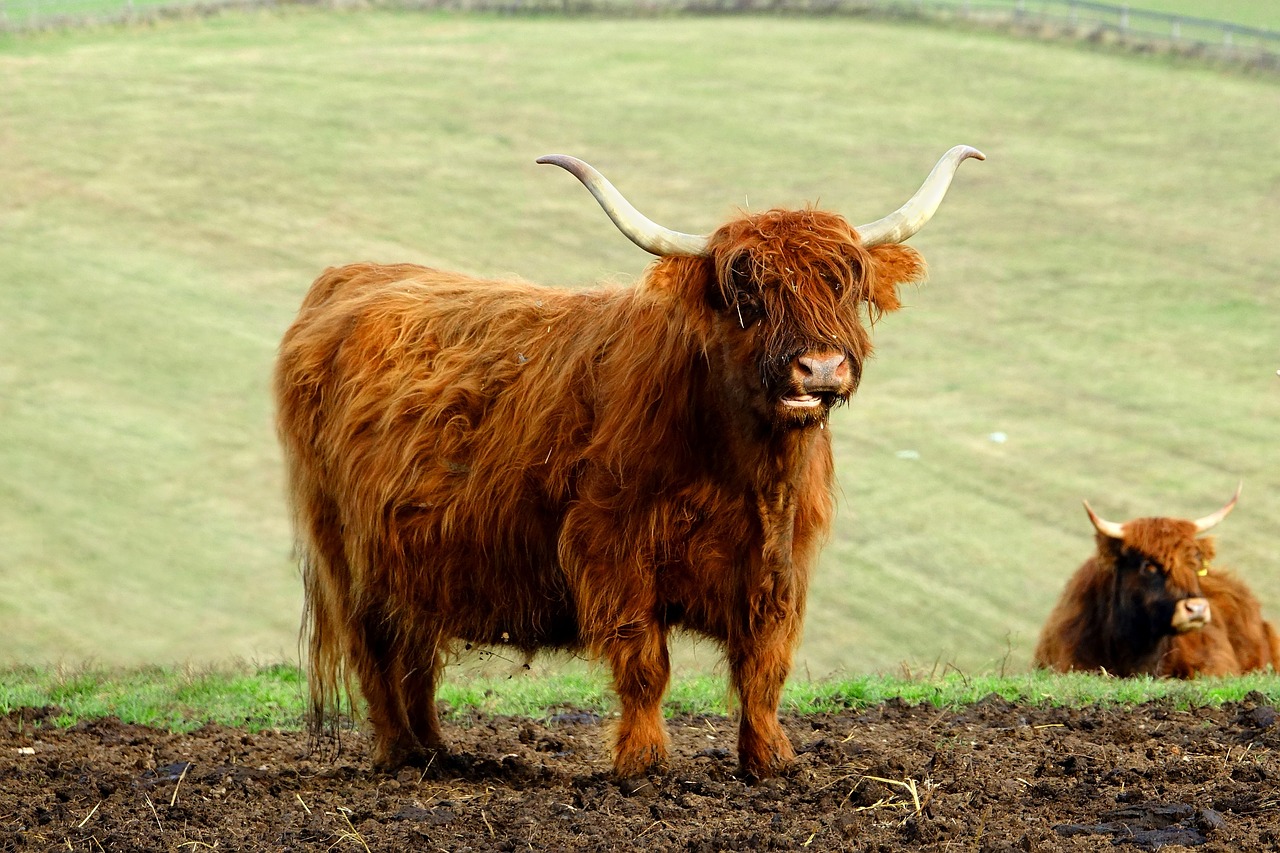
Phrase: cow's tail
[302,373]
[328,675]
[321,634]
[326,581]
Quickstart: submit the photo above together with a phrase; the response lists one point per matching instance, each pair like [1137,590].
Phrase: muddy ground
[993,777]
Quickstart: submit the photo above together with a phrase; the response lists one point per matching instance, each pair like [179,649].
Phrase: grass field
[1103,292]
[1250,13]
[182,699]
[1262,14]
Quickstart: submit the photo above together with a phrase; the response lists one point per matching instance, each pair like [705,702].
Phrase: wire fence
[1098,22]
[1137,27]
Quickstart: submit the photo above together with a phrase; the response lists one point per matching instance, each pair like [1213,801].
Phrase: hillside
[1100,321]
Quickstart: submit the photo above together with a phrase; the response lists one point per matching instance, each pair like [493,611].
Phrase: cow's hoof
[639,763]
[770,768]
[396,758]
[769,774]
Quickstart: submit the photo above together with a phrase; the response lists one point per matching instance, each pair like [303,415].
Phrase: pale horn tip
[904,222]
[564,161]
[1210,521]
[1100,524]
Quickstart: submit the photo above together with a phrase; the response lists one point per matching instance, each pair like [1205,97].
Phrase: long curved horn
[919,209]
[645,233]
[1213,519]
[1106,528]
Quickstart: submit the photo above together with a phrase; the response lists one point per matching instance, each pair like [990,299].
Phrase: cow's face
[1158,563]
[793,283]
[788,294]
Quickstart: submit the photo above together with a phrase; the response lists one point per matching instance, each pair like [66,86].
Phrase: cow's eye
[836,281]
[1148,568]
[747,309]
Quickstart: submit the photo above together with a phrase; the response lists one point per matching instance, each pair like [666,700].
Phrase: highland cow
[496,462]
[1150,602]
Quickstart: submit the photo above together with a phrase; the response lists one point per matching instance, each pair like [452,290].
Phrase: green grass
[166,697]
[20,11]
[1253,13]
[274,697]
[1263,14]
[1103,292]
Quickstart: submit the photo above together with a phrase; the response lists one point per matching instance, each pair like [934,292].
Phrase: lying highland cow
[1150,603]
[497,462]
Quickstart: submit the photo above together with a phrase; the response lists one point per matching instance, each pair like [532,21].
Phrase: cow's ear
[1110,549]
[892,265]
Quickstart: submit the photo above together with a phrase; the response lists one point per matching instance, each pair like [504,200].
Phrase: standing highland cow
[1150,603]
[496,462]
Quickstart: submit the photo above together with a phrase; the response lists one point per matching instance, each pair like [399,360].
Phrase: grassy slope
[1102,292]
[1250,13]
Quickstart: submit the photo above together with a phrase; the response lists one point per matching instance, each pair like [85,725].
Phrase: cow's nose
[1191,614]
[822,371]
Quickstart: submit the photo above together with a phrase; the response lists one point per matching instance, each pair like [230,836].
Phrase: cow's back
[1066,640]
[435,419]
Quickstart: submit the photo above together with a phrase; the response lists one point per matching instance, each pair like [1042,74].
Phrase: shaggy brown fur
[1122,609]
[498,462]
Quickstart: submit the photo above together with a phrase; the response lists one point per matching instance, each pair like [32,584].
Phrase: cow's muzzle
[1190,614]
[818,379]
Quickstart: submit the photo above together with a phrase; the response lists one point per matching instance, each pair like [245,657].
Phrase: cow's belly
[528,620]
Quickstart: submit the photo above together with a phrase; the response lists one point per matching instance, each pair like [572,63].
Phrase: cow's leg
[759,651]
[377,663]
[417,687]
[759,667]
[637,652]
[616,606]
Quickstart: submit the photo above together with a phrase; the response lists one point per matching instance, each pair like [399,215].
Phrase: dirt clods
[994,777]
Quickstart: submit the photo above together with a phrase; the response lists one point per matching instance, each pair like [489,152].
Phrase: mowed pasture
[1102,320]
[1249,13]
[1261,14]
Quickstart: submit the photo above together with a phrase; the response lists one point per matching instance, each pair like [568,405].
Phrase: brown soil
[992,777]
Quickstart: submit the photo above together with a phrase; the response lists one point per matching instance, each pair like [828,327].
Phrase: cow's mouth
[810,401]
[806,401]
